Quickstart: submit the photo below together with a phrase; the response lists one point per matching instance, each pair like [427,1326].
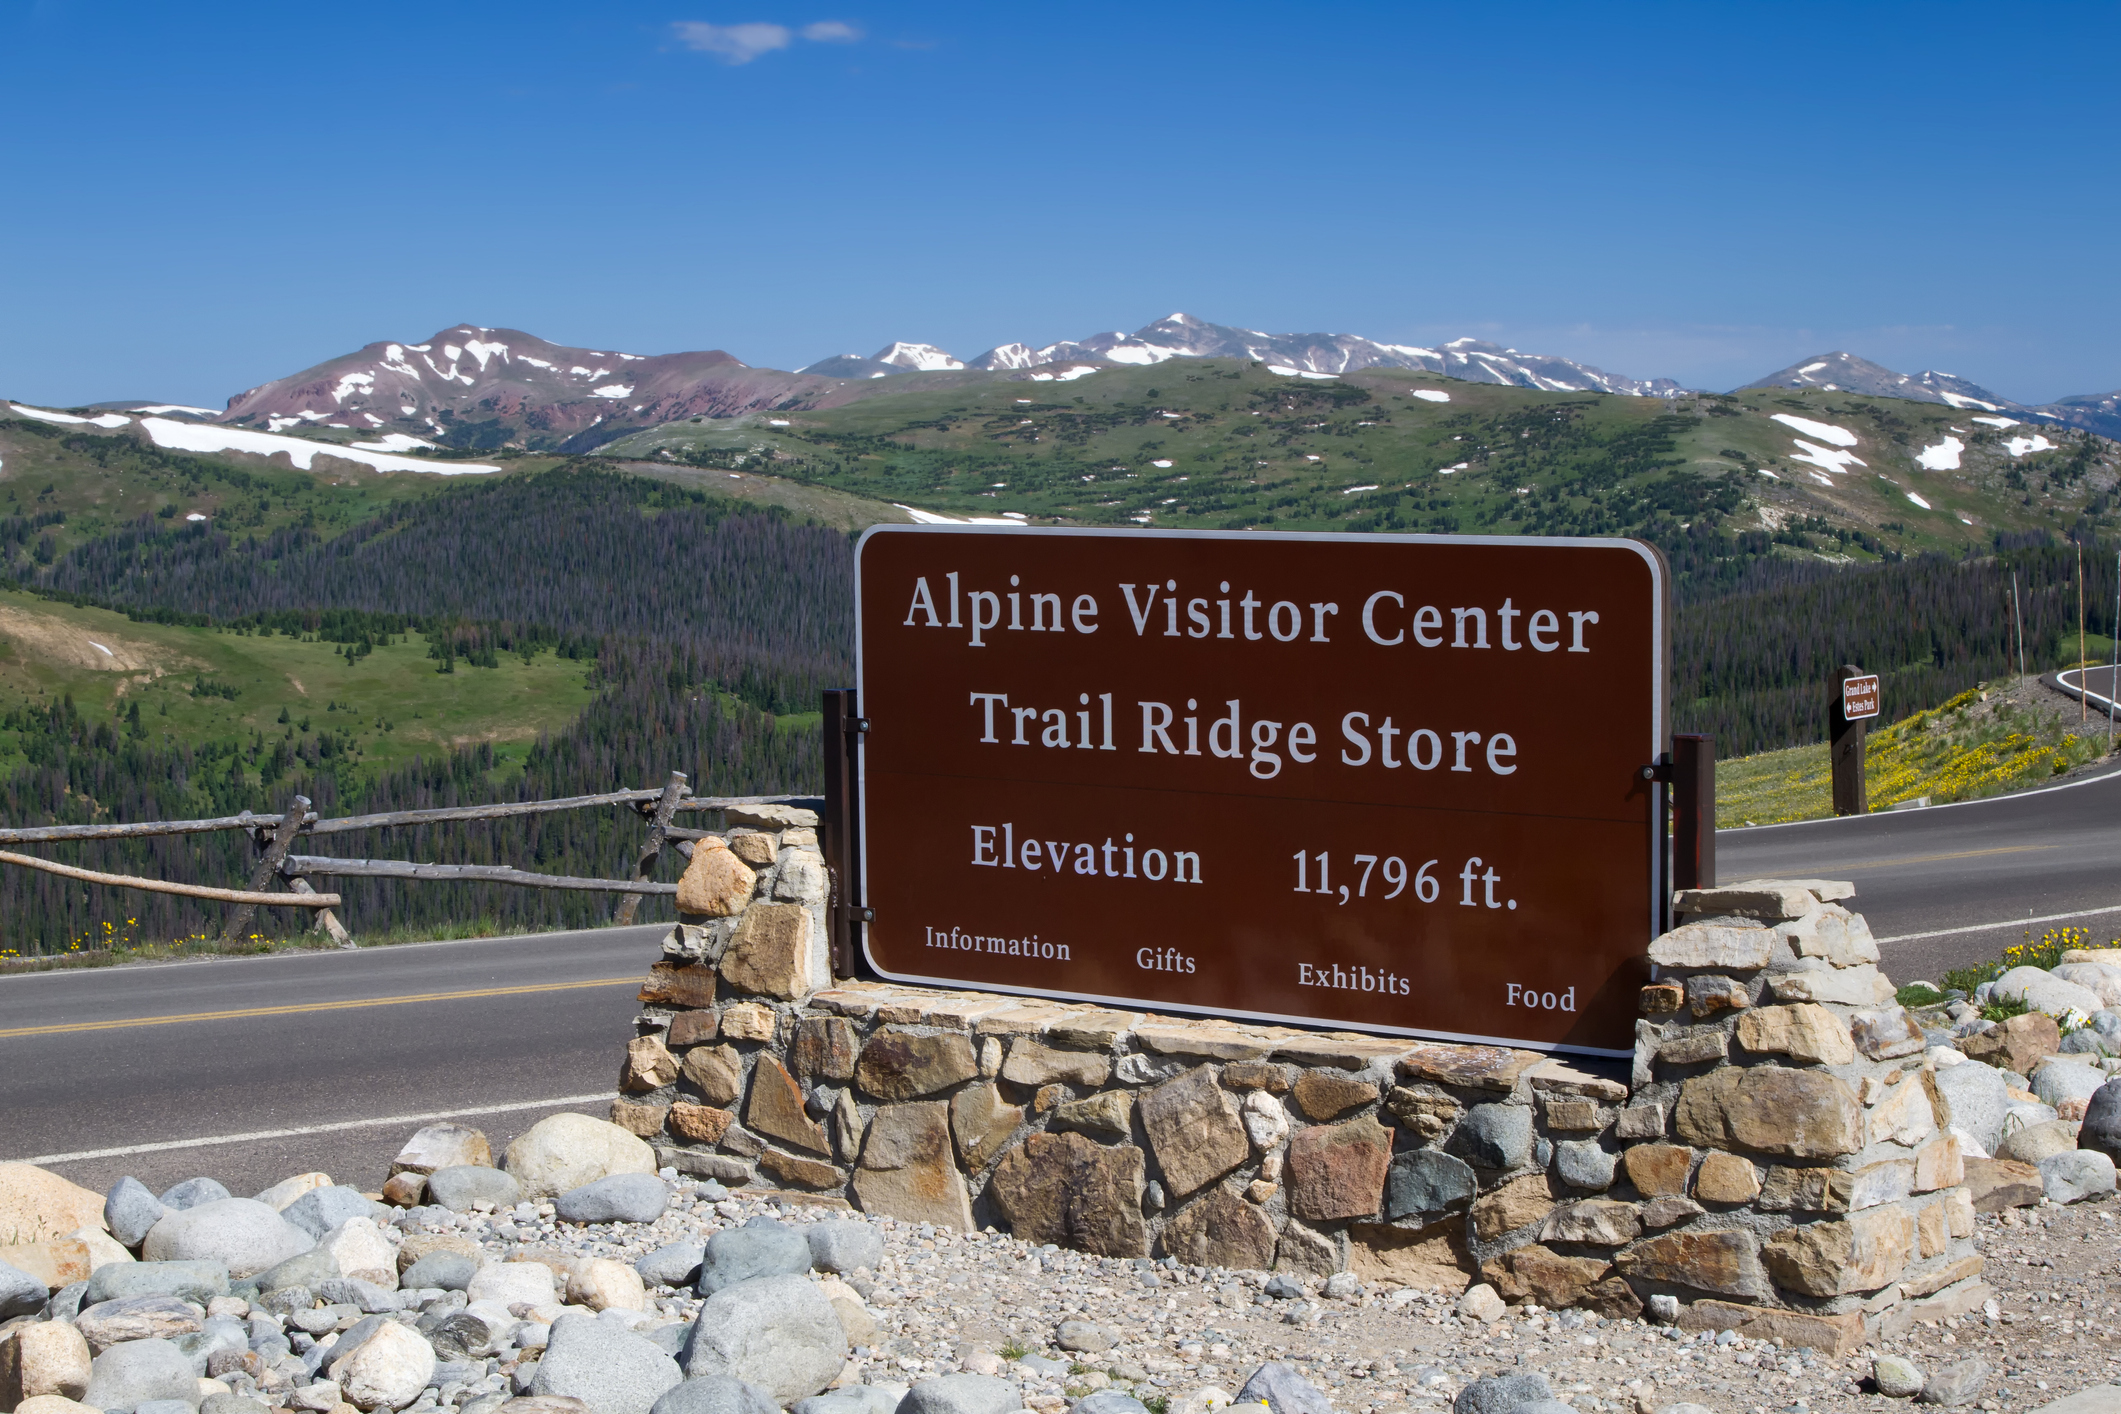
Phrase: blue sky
[201,198]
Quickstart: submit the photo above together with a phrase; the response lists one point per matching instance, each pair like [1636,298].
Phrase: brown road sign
[1387,782]
[1859,697]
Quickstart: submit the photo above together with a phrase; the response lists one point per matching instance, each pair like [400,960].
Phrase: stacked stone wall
[1777,1159]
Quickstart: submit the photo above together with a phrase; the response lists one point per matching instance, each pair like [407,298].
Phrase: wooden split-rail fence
[276,835]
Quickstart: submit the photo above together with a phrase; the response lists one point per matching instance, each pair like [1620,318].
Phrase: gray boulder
[1956,1384]
[1494,1137]
[1108,1401]
[1501,1394]
[1283,1391]
[1897,1377]
[218,1334]
[673,1264]
[458,1187]
[322,1209]
[2076,1174]
[1980,1098]
[448,1271]
[962,1394]
[755,1250]
[1585,1163]
[191,1193]
[2060,1080]
[243,1233]
[309,1269]
[845,1245]
[66,1302]
[604,1365]
[776,1332]
[1083,1336]
[1427,1181]
[2102,1120]
[129,1375]
[854,1399]
[198,1282]
[163,1406]
[366,1295]
[615,1198]
[715,1394]
[129,1210]
[20,1293]
[231,1404]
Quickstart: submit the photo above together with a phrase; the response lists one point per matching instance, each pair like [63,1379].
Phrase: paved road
[1981,869]
[91,1059]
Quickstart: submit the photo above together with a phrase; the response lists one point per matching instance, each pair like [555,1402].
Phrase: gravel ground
[986,1302]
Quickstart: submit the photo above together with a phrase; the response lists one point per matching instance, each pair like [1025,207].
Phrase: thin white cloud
[733,44]
[740,44]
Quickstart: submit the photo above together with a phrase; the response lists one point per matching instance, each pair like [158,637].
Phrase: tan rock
[1338,1170]
[1203,1041]
[1806,1190]
[1861,1252]
[649,1065]
[747,1021]
[1034,1063]
[1109,1112]
[2019,1044]
[776,1109]
[855,1320]
[683,984]
[1602,1222]
[1069,1190]
[1841,937]
[564,1151]
[1932,1231]
[1257,1075]
[387,1370]
[801,1170]
[1710,994]
[56,1261]
[362,1252]
[983,1123]
[1658,1170]
[1427,1110]
[1996,1184]
[1905,1114]
[770,954]
[43,1358]
[1716,945]
[1807,1033]
[1661,1213]
[1306,1251]
[421,1244]
[36,1204]
[1726,1178]
[1465,1067]
[282,1194]
[907,1171]
[1515,1204]
[716,883]
[1091,1028]
[1194,1130]
[1423,1258]
[604,1285]
[630,1115]
[715,1072]
[899,1065]
[1539,1274]
[1660,998]
[1726,1262]
[1940,1277]
[59,1404]
[1328,1094]
[1573,1116]
[1835,1336]
[847,1128]
[1694,1047]
[699,1124]
[1887,1034]
[1886,1182]
[825,1048]
[771,816]
[1220,1230]
[1772,900]
[1959,1212]
[690,1028]
[1259,1190]
[758,851]
[409,1190]
[1801,1113]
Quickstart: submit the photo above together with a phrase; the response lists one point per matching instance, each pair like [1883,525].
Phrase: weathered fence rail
[275,836]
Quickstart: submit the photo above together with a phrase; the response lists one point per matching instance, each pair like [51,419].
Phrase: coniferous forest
[701,622]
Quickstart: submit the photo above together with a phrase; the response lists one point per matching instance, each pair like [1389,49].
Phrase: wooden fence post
[843,729]
[293,823]
[327,922]
[652,848]
[1693,811]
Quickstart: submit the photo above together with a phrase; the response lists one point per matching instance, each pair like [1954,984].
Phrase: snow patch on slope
[191,437]
[1942,457]
[1825,432]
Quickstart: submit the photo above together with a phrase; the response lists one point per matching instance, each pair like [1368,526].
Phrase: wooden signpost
[1855,703]
[1403,783]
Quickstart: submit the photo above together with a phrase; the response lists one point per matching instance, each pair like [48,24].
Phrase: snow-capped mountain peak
[921,358]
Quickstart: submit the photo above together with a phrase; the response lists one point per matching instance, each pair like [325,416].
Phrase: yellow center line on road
[1929,858]
[302,1007]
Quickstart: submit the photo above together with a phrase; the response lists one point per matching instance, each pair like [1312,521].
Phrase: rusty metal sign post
[1855,703]
[1409,784]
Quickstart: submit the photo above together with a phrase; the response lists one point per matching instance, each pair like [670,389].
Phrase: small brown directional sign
[1376,781]
[1859,697]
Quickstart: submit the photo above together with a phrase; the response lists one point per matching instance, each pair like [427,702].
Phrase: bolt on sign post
[1393,782]
[1855,703]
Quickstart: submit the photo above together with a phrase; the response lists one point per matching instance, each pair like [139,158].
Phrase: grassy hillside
[279,702]
[1219,443]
